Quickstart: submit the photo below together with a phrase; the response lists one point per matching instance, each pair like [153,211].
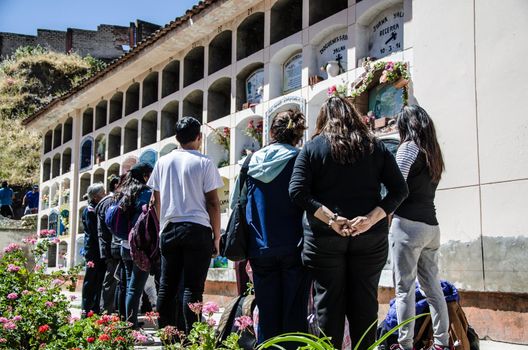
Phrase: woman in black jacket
[337,179]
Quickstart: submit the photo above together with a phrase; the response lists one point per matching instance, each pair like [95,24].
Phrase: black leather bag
[234,241]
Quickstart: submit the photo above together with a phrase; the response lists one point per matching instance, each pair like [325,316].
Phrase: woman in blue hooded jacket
[275,224]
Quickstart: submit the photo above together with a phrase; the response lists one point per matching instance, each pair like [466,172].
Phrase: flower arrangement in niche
[222,138]
[255,130]
[45,200]
[337,90]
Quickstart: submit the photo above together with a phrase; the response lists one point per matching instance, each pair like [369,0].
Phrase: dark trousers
[242,278]
[186,248]
[110,282]
[6,211]
[92,286]
[282,287]
[346,272]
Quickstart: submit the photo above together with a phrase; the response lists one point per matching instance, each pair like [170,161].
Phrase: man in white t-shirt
[185,184]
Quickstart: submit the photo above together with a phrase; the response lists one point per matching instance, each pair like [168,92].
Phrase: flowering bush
[255,131]
[202,336]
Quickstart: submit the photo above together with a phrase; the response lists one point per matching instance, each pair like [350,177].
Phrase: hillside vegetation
[29,79]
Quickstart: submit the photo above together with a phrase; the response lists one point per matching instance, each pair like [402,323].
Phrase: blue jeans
[136,280]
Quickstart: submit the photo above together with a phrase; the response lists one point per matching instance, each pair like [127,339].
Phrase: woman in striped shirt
[414,229]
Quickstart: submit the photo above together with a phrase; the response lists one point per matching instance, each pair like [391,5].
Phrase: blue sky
[26,16]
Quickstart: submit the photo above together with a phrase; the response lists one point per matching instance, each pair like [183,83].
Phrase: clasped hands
[345,227]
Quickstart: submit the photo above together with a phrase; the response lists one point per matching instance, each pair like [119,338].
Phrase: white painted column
[74,186]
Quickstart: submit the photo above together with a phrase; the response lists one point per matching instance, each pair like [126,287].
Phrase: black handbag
[234,241]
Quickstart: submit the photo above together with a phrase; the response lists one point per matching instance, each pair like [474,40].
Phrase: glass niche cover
[385,100]
[255,86]
[292,73]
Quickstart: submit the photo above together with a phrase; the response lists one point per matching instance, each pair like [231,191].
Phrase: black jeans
[92,286]
[110,282]
[186,248]
[346,272]
[282,286]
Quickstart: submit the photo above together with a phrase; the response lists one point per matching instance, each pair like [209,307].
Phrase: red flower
[90,339]
[43,328]
[90,314]
[119,338]
[104,337]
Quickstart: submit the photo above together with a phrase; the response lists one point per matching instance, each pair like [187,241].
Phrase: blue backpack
[116,219]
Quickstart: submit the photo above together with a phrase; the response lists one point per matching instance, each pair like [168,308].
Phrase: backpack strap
[243,172]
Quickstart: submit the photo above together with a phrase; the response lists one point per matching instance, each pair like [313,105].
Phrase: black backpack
[239,306]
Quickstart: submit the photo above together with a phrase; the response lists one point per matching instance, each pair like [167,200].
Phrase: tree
[29,79]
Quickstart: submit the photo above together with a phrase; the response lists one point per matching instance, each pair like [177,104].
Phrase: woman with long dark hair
[414,230]
[337,179]
[275,226]
[132,194]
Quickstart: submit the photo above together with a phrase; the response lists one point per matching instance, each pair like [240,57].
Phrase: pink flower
[38,267]
[90,264]
[73,297]
[11,248]
[243,322]
[17,318]
[10,326]
[389,66]
[3,340]
[55,240]
[51,232]
[12,296]
[49,304]
[13,268]
[25,292]
[211,322]
[43,233]
[209,308]
[139,337]
[196,307]
[4,320]
[73,319]
[29,240]
[41,289]
[56,281]
[331,90]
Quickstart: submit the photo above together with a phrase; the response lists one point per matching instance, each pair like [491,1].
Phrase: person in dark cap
[31,201]
[133,193]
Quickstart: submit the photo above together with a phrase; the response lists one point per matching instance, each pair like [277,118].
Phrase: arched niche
[250,35]
[132,99]
[193,66]
[80,229]
[321,9]
[48,138]
[68,130]
[87,121]
[100,114]
[100,149]
[99,176]
[45,199]
[46,170]
[114,143]
[65,191]
[149,128]
[193,105]
[149,156]
[219,99]
[286,19]
[285,103]
[57,136]
[128,163]
[248,136]
[54,222]
[84,183]
[220,53]
[54,195]
[79,244]
[167,149]
[44,222]
[56,166]
[150,89]
[113,170]
[86,154]
[217,146]
[131,136]
[170,78]
[331,49]
[66,161]
[285,71]
[380,32]
[116,107]
[250,86]
[169,118]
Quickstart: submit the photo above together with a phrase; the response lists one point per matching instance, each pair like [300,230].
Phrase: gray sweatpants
[414,249]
